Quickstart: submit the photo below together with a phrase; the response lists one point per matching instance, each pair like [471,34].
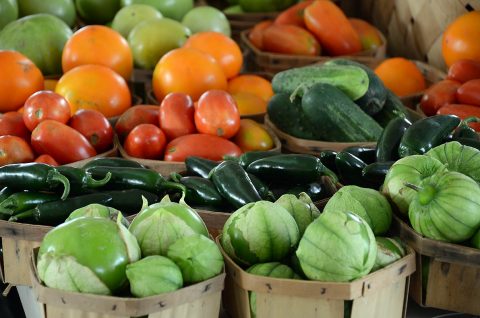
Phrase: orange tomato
[369,35]
[14,149]
[95,87]
[294,14]
[98,44]
[19,78]
[189,71]
[256,35]
[253,84]
[50,84]
[252,136]
[290,39]
[223,49]
[47,159]
[249,104]
[461,39]
[401,76]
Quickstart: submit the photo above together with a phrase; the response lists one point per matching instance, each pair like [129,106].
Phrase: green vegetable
[153,275]
[337,247]
[250,156]
[316,191]
[259,232]
[199,191]
[301,211]
[262,189]
[427,133]
[112,162]
[366,154]
[389,250]
[465,131]
[469,142]
[22,201]
[336,117]
[393,108]
[350,169]
[475,240]
[351,80]
[199,166]
[34,177]
[376,172]
[98,210]
[197,256]
[446,207]
[387,144]
[80,180]
[374,99]
[87,255]
[130,201]
[412,169]
[5,193]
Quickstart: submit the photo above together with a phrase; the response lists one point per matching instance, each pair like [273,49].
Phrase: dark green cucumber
[336,117]
[393,108]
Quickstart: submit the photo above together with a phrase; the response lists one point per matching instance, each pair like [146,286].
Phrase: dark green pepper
[199,191]
[112,162]
[34,177]
[262,188]
[465,131]
[55,212]
[80,180]
[5,193]
[387,144]
[315,190]
[22,201]
[367,154]
[291,168]
[250,156]
[130,201]
[426,134]
[469,142]
[350,169]
[327,157]
[375,172]
[234,184]
[198,166]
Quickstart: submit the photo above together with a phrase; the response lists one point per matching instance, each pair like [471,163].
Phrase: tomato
[252,136]
[332,28]
[290,39]
[200,145]
[464,70]
[47,159]
[438,95]
[256,35]
[469,93]
[60,141]
[145,141]
[45,105]
[294,14]
[14,149]
[176,115]
[140,114]
[369,35]
[217,114]
[95,127]
[11,123]
[462,111]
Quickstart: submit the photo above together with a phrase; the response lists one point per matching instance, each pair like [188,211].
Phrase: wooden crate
[453,272]
[201,300]
[378,295]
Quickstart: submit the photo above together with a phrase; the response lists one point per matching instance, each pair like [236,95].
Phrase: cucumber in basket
[352,80]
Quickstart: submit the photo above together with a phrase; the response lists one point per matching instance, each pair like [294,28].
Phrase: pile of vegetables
[338,101]
[165,248]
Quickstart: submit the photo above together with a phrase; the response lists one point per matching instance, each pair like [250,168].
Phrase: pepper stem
[21,216]
[60,178]
[167,185]
[93,183]
[175,176]
[413,187]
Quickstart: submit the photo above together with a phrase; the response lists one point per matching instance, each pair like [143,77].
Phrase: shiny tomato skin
[134,116]
[60,141]
[200,145]
[176,115]
[469,93]
[47,159]
[217,114]
[45,105]
[439,94]
[145,141]
[14,149]
[464,70]
[11,123]
[94,126]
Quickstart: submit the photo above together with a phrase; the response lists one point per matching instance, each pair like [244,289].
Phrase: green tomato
[173,9]
[97,12]
[205,18]
[476,240]
[128,17]
[63,9]
[8,12]
[236,9]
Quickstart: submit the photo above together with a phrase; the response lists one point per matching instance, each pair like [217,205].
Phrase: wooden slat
[16,257]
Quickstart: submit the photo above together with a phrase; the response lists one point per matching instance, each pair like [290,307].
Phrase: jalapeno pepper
[375,172]
[315,190]
[80,180]
[367,154]
[199,166]
[465,131]
[5,193]
[327,157]
[350,169]
[130,201]
[262,188]
[387,144]
[34,177]
[112,162]
[248,157]
[469,142]
[22,201]
[199,191]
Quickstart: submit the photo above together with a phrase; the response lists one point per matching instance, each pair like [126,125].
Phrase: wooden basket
[201,300]
[414,28]
[453,272]
[274,62]
[378,295]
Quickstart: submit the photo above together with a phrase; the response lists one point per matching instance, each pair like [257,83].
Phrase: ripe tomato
[200,145]
[95,127]
[134,116]
[217,114]
[145,141]
[11,123]
[438,95]
[290,39]
[14,149]
[469,93]
[47,159]
[462,111]
[256,35]
[45,105]
[294,14]
[176,115]
[252,136]
[60,141]
[464,70]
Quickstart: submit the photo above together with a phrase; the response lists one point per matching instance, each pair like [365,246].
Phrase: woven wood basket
[414,28]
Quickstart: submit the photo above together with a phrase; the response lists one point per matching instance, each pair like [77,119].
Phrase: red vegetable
[469,93]
[462,111]
[464,71]
[176,115]
[438,95]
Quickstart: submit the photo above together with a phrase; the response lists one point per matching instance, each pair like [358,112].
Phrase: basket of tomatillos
[336,104]
[295,261]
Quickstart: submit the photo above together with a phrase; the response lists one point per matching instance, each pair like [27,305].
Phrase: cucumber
[351,80]
[336,117]
[289,117]
[374,99]
[392,109]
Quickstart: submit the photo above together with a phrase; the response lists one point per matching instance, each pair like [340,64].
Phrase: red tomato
[14,149]
[60,141]
[45,105]
[11,123]
[134,116]
[438,95]
[256,35]
[47,159]
[464,71]
[290,39]
[176,115]
[200,145]
[217,114]
[469,93]
[462,111]
[95,127]
[294,14]
[145,141]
